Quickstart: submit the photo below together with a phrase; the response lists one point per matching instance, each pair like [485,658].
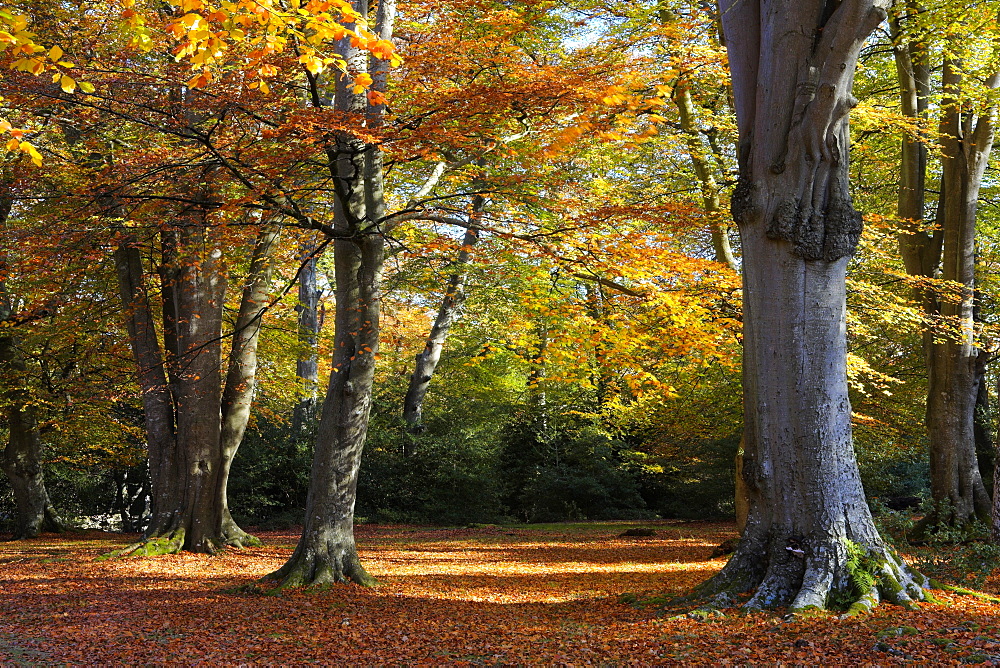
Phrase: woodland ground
[483,596]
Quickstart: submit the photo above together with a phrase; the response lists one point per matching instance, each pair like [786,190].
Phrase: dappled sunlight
[454,597]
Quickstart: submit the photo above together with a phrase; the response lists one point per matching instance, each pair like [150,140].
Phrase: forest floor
[478,596]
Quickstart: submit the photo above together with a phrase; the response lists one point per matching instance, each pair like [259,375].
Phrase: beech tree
[955,365]
[792,69]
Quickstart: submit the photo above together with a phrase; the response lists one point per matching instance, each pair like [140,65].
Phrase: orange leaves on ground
[526,595]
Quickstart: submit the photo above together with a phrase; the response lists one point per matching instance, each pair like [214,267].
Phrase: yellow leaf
[86,87]
[67,83]
[55,53]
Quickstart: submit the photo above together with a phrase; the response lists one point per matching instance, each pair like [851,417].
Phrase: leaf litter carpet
[476,596]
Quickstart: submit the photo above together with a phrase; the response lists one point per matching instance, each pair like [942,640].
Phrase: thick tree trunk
[194,424]
[809,539]
[307,364]
[22,463]
[199,295]
[326,552]
[448,314]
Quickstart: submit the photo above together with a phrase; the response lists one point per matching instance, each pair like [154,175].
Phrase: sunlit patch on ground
[448,596]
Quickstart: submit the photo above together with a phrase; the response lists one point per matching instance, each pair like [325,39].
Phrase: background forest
[560,327]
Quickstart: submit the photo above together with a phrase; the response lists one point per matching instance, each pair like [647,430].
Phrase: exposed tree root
[961,591]
[171,543]
[814,575]
[174,541]
[316,568]
[234,536]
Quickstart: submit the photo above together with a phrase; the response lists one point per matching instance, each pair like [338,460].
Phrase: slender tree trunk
[808,516]
[326,552]
[706,179]
[448,314]
[157,399]
[241,377]
[307,364]
[22,456]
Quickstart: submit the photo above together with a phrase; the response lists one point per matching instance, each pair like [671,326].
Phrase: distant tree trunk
[956,485]
[947,253]
[798,228]
[703,170]
[22,456]
[307,364]
[326,552]
[241,377]
[448,314]
[194,423]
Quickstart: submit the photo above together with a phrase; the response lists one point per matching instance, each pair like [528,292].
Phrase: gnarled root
[171,543]
[234,536]
[815,575]
[309,567]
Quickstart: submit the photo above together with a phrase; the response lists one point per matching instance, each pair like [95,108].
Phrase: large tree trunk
[326,552]
[809,538]
[448,314]
[22,456]
[194,424]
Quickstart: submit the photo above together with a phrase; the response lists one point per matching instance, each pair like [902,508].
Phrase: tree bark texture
[22,456]
[326,552]
[448,314]
[808,525]
[194,422]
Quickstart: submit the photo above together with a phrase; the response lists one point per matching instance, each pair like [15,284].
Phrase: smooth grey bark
[307,364]
[326,552]
[194,421]
[793,67]
[22,456]
[448,314]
